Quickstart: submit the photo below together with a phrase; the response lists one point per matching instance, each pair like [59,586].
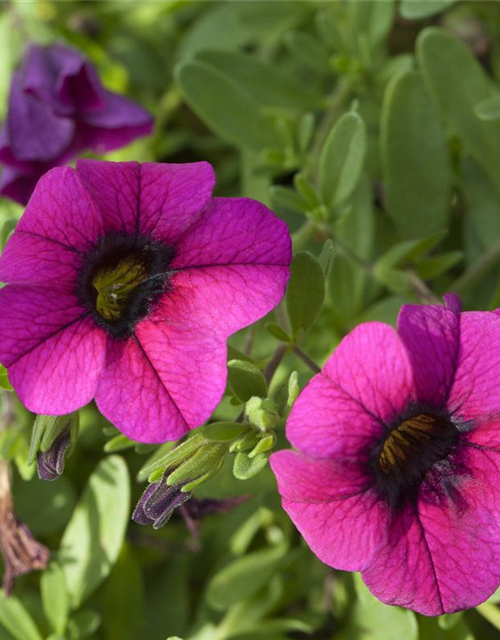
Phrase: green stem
[490,613]
[421,290]
[274,363]
[306,359]
[478,270]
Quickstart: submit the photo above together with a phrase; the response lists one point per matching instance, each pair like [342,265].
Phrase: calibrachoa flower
[398,470]
[57,108]
[125,282]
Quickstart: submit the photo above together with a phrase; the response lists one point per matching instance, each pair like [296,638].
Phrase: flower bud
[158,503]
[52,442]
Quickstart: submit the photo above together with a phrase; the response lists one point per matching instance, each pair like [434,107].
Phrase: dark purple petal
[117,124]
[35,131]
[16,185]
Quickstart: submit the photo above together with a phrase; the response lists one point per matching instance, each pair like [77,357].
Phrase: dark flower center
[409,451]
[121,278]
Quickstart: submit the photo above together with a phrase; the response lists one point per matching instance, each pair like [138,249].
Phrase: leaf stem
[306,359]
[275,362]
[490,613]
[485,263]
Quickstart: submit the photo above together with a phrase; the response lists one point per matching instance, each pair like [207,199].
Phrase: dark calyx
[416,443]
[144,267]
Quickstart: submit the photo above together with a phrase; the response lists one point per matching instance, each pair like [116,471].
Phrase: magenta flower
[398,474]
[125,281]
[57,109]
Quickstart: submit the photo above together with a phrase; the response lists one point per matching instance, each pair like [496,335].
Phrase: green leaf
[306,292]
[406,252]
[325,258]
[245,467]
[223,431]
[435,266]
[278,332]
[16,619]
[174,456]
[4,379]
[224,107]
[457,82]
[119,443]
[266,443]
[206,459]
[55,597]
[246,380]
[307,50]
[385,310]
[417,174]
[84,624]
[123,599]
[347,279]
[419,9]
[47,506]
[488,109]
[244,576]
[93,538]
[342,158]
[287,199]
[379,621]
[372,20]
[264,83]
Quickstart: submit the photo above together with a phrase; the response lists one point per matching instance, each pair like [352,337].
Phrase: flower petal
[62,211]
[28,258]
[333,507]
[53,352]
[35,131]
[132,395]
[119,122]
[17,185]
[235,231]
[371,365]
[431,335]
[222,300]
[475,392]
[166,198]
[327,422]
[172,377]
[443,557]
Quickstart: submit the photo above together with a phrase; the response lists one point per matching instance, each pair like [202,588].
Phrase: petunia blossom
[58,108]
[397,473]
[125,281]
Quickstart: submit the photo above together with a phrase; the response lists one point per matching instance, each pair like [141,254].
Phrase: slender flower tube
[125,281]
[397,473]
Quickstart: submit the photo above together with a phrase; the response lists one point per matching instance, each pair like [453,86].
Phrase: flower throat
[121,278]
[409,451]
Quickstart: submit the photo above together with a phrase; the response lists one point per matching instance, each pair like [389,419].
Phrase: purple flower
[125,281]
[57,108]
[398,470]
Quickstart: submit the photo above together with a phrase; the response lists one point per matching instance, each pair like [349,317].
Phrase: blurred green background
[373,129]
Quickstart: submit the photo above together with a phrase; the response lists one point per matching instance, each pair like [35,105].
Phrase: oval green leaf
[342,158]
[224,107]
[417,174]
[93,538]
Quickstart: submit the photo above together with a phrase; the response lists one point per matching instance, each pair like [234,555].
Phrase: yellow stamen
[115,286]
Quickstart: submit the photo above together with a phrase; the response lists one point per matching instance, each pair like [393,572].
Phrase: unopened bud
[158,503]
[52,442]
